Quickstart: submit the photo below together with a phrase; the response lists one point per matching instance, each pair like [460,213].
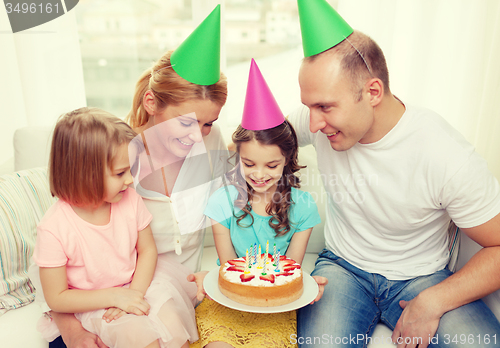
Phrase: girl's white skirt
[171,319]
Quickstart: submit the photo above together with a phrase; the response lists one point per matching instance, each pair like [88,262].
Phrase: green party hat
[197,59]
[321,26]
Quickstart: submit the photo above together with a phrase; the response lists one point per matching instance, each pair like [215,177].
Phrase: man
[394,175]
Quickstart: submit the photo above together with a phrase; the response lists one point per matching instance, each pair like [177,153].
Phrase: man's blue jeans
[355,301]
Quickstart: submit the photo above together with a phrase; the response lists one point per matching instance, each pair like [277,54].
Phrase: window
[119,39]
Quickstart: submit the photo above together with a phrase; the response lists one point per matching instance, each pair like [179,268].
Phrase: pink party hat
[261,110]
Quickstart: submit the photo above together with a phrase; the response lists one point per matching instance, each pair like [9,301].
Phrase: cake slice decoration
[239,263]
[268,277]
[246,277]
[288,268]
[236,269]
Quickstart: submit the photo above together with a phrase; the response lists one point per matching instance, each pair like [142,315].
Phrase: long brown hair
[285,138]
[170,89]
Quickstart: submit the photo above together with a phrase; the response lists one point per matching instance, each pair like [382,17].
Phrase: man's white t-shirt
[390,202]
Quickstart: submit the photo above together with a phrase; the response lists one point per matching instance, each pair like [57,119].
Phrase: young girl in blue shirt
[260,203]
[267,206]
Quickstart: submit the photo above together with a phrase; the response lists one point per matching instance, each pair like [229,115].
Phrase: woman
[184,156]
[176,160]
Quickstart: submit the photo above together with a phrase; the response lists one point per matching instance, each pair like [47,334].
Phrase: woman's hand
[113,313]
[198,279]
[131,301]
[322,281]
[84,339]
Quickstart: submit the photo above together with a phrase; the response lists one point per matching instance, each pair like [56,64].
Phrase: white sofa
[24,196]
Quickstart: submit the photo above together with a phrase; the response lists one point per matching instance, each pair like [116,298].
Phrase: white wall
[442,54]
[41,74]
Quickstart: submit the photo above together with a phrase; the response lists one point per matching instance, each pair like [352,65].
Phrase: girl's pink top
[96,257]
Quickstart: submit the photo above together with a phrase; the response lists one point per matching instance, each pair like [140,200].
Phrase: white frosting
[234,276]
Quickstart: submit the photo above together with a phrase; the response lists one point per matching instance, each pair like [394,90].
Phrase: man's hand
[84,339]
[322,281]
[417,324]
[198,279]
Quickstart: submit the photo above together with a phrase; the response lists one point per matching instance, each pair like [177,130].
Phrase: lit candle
[250,257]
[277,261]
[254,253]
[247,264]
[259,266]
[274,254]
[267,248]
[264,267]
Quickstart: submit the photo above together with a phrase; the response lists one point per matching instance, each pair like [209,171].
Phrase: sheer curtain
[442,54]
[41,76]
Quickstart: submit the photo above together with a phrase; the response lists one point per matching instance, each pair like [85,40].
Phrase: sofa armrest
[18,328]
[24,198]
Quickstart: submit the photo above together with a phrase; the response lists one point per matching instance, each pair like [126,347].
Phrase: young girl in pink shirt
[95,248]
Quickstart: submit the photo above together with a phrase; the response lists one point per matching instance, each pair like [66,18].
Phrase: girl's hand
[131,301]
[322,281]
[198,279]
[113,313]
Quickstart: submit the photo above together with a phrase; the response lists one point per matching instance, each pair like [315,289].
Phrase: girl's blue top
[303,215]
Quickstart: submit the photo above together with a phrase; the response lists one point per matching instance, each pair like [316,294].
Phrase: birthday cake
[261,281]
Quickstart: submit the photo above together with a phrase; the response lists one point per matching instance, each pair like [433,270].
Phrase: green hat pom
[197,59]
[321,26]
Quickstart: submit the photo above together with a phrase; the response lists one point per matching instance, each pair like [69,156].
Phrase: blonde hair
[361,59]
[84,144]
[170,89]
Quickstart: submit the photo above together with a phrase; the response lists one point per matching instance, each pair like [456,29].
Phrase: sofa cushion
[311,182]
[31,147]
[18,328]
[24,198]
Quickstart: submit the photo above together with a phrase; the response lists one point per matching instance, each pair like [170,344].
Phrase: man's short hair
[360,59]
